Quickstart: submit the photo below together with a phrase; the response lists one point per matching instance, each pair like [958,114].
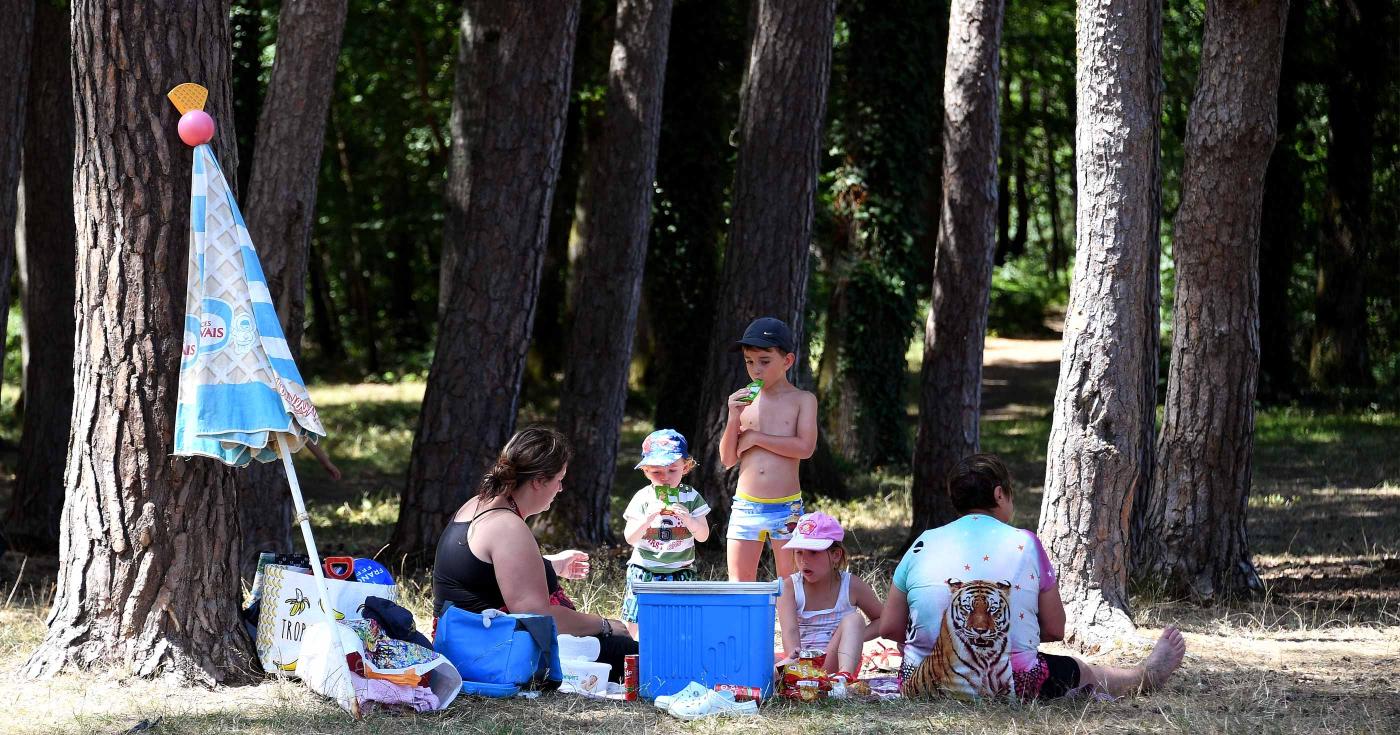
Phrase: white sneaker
[691,691]
[711,703]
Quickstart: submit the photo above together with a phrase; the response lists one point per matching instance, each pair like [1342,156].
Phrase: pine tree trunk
[782,109]
[1052,191]
[950,399]
[1281,233]
[46,257]
[1193,535]
[1101,437]
[325,322]
[1023,187]
[148,576]
[694,168]
[281,207]
[1007,148]
[1339,356]
[608,269]
[507,133]
[16,33]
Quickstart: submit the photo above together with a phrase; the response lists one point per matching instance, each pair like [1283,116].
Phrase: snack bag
[805,679]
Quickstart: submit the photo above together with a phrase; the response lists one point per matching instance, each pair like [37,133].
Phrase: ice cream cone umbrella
[241,396]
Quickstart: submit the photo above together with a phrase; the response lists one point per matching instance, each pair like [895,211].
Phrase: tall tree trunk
[1281,232]
[148,569]
[1052,191]
[281,205]
[694,169]
[16,33]
[1101,437]
[1008,155]
[1191,533]
[782,108]
[507,133]
[1023,187]
[46,257]
[950,399]
[325,322]
[1339,356]
[608,271]
[887,122]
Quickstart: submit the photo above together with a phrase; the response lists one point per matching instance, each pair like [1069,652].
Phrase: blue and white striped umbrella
[239,387]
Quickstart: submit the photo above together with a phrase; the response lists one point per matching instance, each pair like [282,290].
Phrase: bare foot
[1164,660]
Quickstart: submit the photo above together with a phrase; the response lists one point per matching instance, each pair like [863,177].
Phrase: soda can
[631,677]
[741,693]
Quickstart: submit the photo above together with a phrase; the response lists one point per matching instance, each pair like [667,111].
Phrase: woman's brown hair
[973,483]
[534,451]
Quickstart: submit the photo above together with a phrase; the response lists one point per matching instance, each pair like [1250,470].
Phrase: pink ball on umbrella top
[196,128]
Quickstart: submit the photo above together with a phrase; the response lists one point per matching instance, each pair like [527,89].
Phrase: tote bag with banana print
[289,608]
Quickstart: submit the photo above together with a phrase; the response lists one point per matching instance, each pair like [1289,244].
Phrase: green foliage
[876,212]
[379,225]
[377,234]
[377,237]
[1023,296]
[14,346]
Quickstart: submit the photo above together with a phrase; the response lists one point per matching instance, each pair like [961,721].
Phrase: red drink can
[741,693]
[631,677]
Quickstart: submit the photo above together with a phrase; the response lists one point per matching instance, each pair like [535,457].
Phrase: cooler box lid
[709,588]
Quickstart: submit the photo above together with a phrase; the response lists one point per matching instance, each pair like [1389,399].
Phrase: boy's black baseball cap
[766,332]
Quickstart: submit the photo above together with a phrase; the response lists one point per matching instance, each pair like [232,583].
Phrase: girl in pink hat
[821,605]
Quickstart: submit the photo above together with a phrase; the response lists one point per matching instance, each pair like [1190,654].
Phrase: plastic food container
[588,677]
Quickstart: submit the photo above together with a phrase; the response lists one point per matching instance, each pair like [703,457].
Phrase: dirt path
[1018,377]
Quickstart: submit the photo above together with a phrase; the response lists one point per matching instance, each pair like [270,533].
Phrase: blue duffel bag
[497,655]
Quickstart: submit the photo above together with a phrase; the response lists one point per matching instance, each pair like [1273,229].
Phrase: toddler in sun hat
[822,602]
[663,519]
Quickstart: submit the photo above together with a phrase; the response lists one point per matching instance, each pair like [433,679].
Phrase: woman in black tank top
[467,582]
[488,557]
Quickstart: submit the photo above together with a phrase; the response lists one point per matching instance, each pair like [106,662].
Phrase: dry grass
[1318,653]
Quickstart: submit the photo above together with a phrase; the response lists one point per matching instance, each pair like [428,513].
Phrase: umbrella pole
[327,608]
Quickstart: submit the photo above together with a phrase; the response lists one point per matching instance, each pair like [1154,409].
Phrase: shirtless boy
[766,438]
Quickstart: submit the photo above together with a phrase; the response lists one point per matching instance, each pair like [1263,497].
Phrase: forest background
[1328,256]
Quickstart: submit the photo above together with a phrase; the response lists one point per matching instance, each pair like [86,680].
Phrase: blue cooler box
[709,632]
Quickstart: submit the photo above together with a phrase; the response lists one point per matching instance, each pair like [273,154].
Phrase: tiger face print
[980,612]
[970,658]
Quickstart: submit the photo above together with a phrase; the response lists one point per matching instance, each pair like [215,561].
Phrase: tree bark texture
[508,117]
[147,579]
[886,140]
[695,165]
[782,108]
[1193,514]
[1281,233]
[281,207]
[950,399]
[1339,357]
[1099,453]
[46,258]
[16,34]
[608,270]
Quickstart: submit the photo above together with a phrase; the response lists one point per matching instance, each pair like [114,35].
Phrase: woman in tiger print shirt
[972,601]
